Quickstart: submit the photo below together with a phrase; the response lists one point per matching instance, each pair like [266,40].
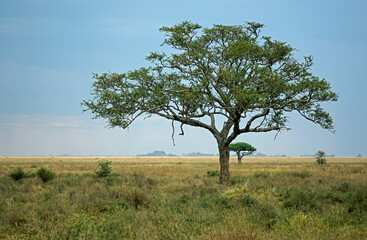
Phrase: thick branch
[236,127]
[267,129]
[263,114]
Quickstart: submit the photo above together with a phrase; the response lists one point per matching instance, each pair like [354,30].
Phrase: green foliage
[320,157]
[138,198]
[246,200]
[304,199]
[265,215]
[356,202]
[241,147]
[104,168]
[213,173]
[45,175]
[225,87]
[18,174]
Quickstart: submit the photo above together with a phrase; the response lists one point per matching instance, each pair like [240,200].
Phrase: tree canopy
[228,80]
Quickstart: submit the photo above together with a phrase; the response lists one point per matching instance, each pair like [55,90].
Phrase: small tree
[45,175]
[241,149]
[320,157]
[104,168]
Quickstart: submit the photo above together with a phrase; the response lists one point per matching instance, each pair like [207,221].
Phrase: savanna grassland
[180,198]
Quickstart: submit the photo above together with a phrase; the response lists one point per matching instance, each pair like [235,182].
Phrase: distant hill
[199,154]
[164,154]
[257,154]
[157,154]
[313,155]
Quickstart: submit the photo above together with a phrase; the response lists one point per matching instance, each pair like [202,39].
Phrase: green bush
[104,168]
[18,174]
[138,198]
[213,173]
[45,174]
[356,201]
[343,187]
[246,200]
[264,214]
[238,180]
[303,199]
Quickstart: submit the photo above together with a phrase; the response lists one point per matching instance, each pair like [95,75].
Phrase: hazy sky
[50,48]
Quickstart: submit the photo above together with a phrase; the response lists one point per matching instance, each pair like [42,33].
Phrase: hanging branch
[173,133]
[182,131]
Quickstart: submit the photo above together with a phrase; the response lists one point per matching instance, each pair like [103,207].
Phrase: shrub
[104,168]
[303,174]
[261,175]
[214,201]
[296,174]
[139,179]
[246,200]
[45,174]
[357,202]
[344,187]
[213,173]
[18,174]
[138,198]
[303,199]
[264,214]
[238,180]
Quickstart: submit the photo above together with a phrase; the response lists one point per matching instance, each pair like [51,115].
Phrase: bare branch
[249,122]
[267,129]
[189,121]
[173,133]
[182,131]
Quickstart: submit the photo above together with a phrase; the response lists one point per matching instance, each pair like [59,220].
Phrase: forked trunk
[224,164]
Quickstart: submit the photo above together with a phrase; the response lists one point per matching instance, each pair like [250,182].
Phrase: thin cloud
[45,121]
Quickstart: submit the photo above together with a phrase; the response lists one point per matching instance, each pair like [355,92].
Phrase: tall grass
[174,199]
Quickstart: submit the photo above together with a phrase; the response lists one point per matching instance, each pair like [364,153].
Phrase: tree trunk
[224,164]
[239,157]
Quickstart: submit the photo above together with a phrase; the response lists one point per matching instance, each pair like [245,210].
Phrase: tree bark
[239,157]
[224,164]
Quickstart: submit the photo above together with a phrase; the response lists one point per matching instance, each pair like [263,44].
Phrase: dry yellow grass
[180,167]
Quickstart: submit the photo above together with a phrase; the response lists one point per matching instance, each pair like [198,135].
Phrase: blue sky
[50,48]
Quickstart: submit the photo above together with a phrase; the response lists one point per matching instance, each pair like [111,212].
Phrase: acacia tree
[320,157]
[241,149]
[231,74]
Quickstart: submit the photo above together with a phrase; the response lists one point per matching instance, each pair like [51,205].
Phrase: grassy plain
[176,198]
